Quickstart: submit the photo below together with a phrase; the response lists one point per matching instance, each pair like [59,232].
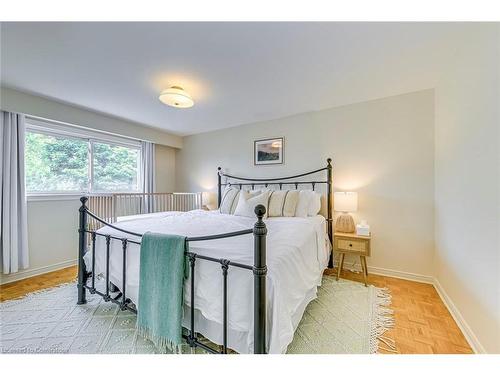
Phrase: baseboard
[36,271]
[356,266]
[401,275]
[459,319]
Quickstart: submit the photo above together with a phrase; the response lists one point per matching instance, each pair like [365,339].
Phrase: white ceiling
[237,73]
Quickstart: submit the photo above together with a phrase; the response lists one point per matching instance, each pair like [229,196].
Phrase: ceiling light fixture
[176,97]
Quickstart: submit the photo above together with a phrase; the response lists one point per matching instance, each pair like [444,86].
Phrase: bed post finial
[260,211]
[82,244]
[259,272]
[329,161]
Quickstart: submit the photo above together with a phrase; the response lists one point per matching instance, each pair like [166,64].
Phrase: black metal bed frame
[259,267]
[284,181]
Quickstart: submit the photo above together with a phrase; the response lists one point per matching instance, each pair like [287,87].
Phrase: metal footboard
[259,270]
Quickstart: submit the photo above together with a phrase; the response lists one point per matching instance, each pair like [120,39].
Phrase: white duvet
[297,254]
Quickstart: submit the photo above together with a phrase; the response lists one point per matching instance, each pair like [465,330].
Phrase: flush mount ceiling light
[176,97]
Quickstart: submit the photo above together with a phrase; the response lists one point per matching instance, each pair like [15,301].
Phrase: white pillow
[302,208]
[290,203]
[247,202]
[229,199]
[314,204]
[282,203]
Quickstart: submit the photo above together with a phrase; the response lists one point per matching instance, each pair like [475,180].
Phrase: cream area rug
[347,317]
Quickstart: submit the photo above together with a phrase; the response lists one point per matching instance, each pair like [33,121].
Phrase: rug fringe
[391,344]
[162,343]
[383,320]
[19,299]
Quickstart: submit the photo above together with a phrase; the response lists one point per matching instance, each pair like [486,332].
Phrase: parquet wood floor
[20,288]
[423,324]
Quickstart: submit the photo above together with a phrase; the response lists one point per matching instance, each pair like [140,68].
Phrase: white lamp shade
[209,199]
[345,201]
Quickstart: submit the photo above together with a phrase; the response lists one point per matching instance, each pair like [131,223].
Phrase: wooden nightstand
[351,243]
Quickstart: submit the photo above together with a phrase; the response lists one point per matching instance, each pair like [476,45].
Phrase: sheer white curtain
[148,173]
[13,220]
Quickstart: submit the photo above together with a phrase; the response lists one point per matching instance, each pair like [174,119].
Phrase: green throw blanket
[163,269]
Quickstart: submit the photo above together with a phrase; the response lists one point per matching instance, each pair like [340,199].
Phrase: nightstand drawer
[352,245]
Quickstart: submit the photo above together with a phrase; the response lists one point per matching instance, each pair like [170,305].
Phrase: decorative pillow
[247,202]
[302,209]
[314,204]
[283,203]
[229,197]
[291,201]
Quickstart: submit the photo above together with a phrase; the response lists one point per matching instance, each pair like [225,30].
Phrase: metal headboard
[280,181]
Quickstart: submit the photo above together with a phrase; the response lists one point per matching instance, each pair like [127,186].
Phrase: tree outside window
[62,164]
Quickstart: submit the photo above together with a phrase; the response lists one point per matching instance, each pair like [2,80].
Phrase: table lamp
[208,200]
[345,202]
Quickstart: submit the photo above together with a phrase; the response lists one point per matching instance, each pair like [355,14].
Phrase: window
[63,159]
[56,164]
[114,167]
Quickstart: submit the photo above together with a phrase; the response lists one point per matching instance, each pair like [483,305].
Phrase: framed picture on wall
[269,151]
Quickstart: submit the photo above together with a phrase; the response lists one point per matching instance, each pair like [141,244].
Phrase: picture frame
[269,151]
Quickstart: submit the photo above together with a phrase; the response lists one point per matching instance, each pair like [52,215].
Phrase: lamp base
[345,224]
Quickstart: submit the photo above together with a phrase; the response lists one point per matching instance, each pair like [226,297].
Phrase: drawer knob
[350,244]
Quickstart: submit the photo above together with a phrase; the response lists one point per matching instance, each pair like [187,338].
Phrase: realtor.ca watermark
[34,351]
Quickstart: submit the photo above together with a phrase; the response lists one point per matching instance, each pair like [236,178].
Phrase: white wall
[52,237]
[165,168]
[467,207]
[384,149]
[16,101]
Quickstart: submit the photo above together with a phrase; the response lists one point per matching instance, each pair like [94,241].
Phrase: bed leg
[113,288]
[82,244]
[260,271]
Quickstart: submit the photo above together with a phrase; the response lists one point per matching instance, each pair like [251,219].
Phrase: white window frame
[58,129]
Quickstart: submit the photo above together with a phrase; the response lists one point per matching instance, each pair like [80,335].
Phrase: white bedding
[297,254]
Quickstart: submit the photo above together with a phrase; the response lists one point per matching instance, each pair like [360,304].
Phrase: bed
[265,308]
